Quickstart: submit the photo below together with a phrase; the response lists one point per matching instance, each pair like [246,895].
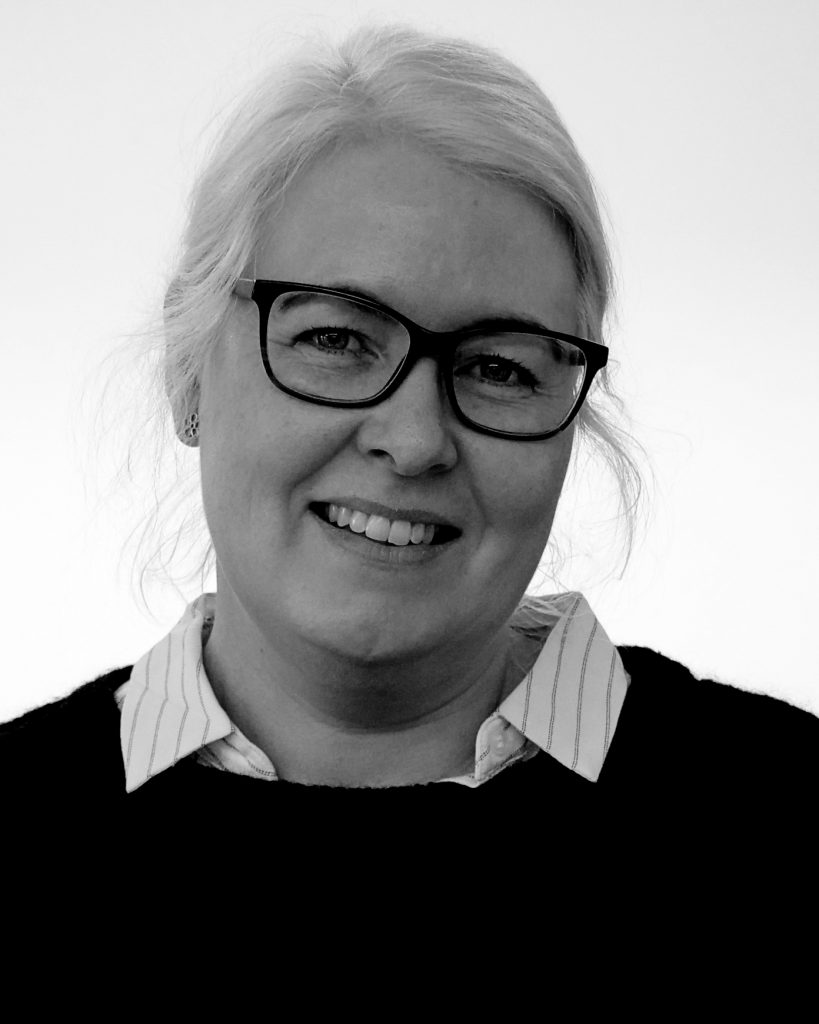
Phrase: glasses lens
[333,348]
[324,346]
[521,383]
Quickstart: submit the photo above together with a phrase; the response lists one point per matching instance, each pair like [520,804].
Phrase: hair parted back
[461,101]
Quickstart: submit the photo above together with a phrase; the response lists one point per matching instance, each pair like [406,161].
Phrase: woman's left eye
[501,371]
[339,339]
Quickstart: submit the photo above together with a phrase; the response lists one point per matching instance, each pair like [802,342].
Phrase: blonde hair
[462,101]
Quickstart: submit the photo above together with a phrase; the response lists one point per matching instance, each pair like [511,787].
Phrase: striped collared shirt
[566,705]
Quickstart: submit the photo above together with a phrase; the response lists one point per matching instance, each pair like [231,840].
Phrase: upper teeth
[391,531]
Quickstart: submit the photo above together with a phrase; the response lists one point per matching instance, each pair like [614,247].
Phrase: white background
[699,122]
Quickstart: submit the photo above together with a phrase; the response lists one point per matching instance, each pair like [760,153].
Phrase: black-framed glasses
[505,377]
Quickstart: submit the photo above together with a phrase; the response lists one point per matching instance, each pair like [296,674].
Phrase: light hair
[463,102]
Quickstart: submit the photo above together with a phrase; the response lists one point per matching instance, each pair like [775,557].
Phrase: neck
[324,720]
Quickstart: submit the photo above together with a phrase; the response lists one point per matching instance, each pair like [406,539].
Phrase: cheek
[257,444]
[524,486]
[235,446]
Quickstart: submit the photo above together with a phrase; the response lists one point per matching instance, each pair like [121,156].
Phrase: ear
[181,410]
[182,404]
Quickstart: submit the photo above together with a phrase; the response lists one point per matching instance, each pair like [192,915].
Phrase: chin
[374,641]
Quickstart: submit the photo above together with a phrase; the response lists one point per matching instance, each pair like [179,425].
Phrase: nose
[413,428]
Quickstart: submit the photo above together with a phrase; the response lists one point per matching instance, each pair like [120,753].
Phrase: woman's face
[442,249]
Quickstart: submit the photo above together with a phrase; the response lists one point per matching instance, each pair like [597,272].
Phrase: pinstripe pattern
[580,696]
[169,709]
[567,704]
[571,706]
[615,659]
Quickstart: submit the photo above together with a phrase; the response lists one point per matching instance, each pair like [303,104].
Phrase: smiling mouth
[380,530]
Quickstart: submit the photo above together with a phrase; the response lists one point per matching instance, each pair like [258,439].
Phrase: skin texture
[345,670]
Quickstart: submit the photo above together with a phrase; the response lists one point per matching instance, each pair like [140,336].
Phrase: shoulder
[709,723]
[64,739]
[75,703]
[659,678]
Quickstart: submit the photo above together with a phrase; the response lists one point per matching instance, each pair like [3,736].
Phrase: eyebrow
[497,320]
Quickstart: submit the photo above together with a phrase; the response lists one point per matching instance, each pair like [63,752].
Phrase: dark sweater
[701,821]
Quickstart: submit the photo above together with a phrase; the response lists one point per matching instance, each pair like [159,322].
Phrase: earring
[191,428]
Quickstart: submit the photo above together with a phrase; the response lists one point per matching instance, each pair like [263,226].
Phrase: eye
[499,371]
[332,340]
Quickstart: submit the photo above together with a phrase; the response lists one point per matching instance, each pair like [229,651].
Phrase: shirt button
[503,740]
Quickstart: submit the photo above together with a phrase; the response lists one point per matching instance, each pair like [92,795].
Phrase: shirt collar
[567,704]
[570,700]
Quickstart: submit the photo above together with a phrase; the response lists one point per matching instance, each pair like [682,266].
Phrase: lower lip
[388,555]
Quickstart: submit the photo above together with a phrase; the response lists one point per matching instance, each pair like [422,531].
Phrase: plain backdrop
[699,122]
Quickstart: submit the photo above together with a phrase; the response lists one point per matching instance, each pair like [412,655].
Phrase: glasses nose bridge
[427,344]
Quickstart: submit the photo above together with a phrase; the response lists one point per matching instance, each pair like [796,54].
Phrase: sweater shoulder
[660,678]
[675,715]
[66,737]
[80,701]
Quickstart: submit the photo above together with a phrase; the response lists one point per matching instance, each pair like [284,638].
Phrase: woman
[382,336]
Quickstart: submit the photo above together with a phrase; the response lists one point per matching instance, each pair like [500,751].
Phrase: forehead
[428,239]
